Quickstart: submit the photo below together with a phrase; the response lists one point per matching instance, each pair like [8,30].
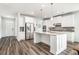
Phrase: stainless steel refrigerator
[29,30]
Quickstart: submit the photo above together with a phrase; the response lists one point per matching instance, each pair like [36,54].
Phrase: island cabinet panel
[58,43]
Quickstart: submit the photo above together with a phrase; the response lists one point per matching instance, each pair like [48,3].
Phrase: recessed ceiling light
[32,13]
[43,5]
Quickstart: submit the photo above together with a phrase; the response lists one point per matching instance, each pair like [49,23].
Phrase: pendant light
[51,11]
[41,13]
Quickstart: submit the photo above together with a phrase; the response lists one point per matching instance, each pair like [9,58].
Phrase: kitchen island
[56,40]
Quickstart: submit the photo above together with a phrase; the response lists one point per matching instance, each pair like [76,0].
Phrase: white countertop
[51,33]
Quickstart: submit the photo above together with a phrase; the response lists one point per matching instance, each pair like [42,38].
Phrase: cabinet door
[53,44]
[61,42]
[68,21]
[64,42]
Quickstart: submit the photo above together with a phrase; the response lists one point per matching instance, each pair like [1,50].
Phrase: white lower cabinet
[58,43]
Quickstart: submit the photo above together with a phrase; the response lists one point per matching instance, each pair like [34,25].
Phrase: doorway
[8,27]
[29,31]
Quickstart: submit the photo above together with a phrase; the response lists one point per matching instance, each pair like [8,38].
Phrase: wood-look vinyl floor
[10,46]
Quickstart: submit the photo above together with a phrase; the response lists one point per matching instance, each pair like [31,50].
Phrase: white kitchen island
[56,40]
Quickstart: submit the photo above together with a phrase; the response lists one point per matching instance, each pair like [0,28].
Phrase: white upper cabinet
[66,21]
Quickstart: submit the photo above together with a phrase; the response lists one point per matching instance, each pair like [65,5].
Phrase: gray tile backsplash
[71,29]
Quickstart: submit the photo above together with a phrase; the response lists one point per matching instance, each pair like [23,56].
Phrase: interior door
[8,27]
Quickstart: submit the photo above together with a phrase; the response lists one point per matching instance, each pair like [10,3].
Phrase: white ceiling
[34,8]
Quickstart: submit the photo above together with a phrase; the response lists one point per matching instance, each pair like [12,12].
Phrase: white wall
[0,27]
[76,18]
[16,26]
[39,25]
[29,19]
[20,23]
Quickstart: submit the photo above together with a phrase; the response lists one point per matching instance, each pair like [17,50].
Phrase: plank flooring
[74,46]
[11,46]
